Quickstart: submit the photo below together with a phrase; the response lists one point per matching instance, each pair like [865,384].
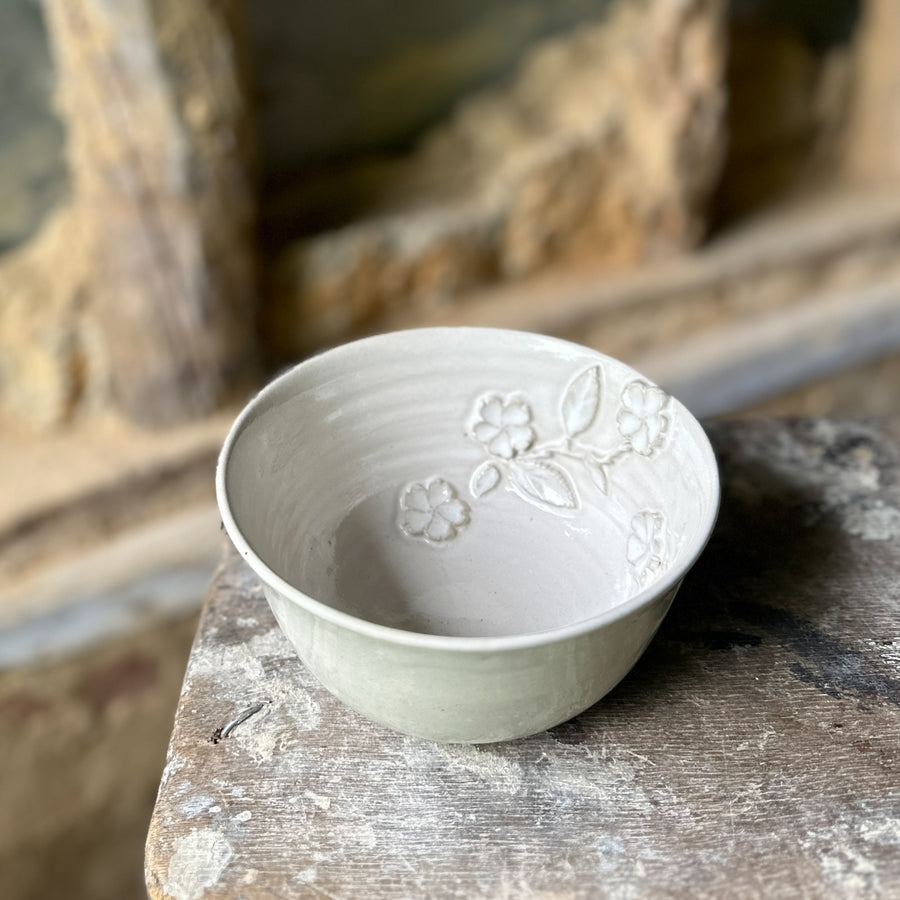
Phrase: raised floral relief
[432,511]
[503,426]
[643,419]
[644,548]
[541,471]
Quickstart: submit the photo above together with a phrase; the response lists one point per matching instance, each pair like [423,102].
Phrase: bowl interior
[468,482]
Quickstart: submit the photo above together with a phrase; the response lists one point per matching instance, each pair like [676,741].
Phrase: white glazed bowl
[467,534]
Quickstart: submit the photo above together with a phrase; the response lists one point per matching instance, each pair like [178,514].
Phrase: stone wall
[406,164]
[602,147]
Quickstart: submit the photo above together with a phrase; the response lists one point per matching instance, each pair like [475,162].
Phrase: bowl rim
[455,643]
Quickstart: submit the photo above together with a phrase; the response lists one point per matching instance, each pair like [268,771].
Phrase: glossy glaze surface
[447,519]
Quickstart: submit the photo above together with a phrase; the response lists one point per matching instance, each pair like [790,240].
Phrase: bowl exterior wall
[468,696]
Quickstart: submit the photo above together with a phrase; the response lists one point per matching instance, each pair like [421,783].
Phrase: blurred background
[196,193]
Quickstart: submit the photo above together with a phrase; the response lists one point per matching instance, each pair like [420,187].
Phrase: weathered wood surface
[753,752]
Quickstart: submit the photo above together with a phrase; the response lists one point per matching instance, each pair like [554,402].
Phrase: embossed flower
[642,419]
[504,427]
[432,511]
[643,549]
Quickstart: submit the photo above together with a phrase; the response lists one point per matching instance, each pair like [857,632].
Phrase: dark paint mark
[809,677]
[831,667]
[728,640]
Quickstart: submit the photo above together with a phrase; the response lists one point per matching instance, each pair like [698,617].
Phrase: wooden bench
[754,751]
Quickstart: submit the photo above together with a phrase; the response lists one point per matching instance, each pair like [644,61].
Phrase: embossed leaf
[581,401]
[598,475]
[544,484]
[485,478]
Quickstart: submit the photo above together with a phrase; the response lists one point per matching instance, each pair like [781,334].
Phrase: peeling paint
[198,861]
[272,643]
[607,778]
[844,865]
[888,650]
[229,661]
[320,801]
[885,831]
[260,744]
[502,774]
[878,522]
[173,766]
[195,806]
[304,711]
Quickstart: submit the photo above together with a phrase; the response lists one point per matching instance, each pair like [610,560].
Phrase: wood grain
[754,751]
[151,94]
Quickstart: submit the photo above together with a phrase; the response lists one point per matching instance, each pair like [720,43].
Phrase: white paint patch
[360,835]
[300,706]
[259,744]
[311,873]
[502,774]
[760,742]
[230,662]
[320,801]
[196,805]
[233,790]
[272,643]
[610,851]
[244,816]
[879,522]
[852,855]
[848,868]
[173,766]
[887,831]
[198,861]
[609,779]
[889,651]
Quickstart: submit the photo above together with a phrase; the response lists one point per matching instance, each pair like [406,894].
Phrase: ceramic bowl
[468,535]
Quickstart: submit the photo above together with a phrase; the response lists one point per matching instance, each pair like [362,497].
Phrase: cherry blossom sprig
[541,472]
[503,425]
